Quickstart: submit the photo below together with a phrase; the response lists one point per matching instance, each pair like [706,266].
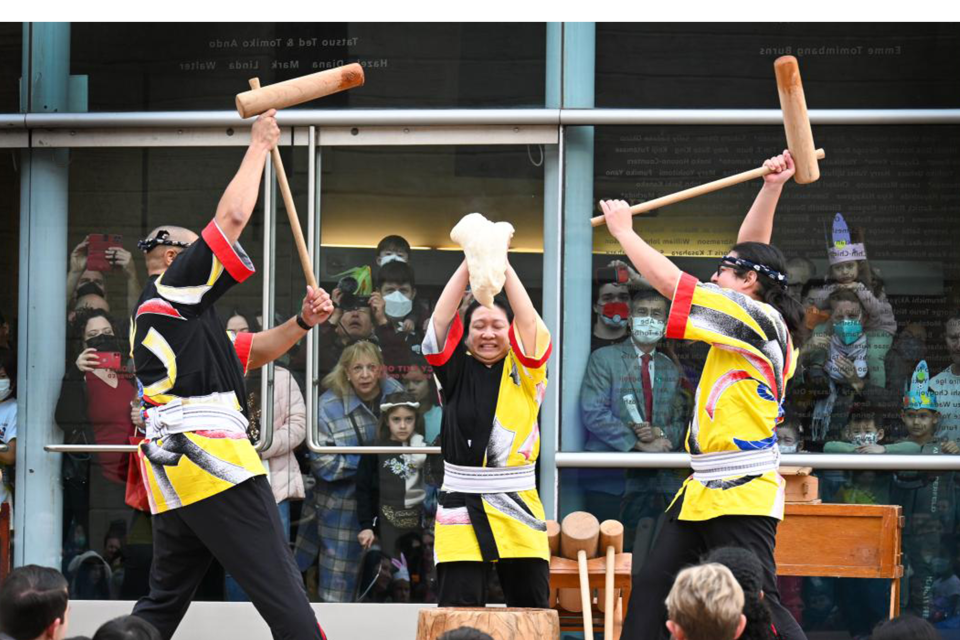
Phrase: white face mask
[397,305]
[390,257]
[787,448]
[647,330]
[4,389]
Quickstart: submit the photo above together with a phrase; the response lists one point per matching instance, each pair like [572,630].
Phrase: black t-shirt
[597,343]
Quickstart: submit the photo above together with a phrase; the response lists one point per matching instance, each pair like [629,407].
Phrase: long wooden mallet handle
[587,601]
[608,594]
[693,192]
[291,209]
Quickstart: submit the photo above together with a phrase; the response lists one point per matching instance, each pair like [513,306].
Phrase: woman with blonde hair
[347,416]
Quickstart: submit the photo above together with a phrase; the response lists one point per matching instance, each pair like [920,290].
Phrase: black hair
[498,301]
[869,412]
[844,295]
[251,319]
[772,292]
[396,272]
[127,628]
[649,294]
[78,326]
[31,599]
[905,627]
[748,572]
[393,243]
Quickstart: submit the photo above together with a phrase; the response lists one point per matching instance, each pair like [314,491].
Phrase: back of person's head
[906,627]
[748,571]
[127,628]
[774,293]
[33,602]
[465,633]
[706,603]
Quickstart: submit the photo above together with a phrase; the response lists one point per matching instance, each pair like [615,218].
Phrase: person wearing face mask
[8,422]
[393,249]
[392,303]
[83,281]
[612,311]
[630,401]
[842,357]
[95,407]
[492,369]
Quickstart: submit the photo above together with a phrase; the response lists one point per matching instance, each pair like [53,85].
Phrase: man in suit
[631,401]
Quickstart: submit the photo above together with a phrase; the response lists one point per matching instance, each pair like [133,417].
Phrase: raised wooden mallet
[286,94]
[796,123]
[579,536]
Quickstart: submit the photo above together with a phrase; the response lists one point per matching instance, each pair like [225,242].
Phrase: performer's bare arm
[524,315]
[659,271]
[449,302]
[758,224]
[269,345]
[237,203]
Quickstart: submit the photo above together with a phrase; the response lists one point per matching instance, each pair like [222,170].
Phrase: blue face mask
[849,331]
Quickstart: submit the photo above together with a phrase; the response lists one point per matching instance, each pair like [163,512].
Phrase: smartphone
[108,360]
[97,245]
[616,275]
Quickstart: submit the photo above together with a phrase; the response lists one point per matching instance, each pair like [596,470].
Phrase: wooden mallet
[796,122]
[579,536]
[611,543]
[553,537]
[286,94]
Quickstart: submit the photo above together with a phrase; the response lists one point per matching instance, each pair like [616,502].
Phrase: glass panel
[730,66]
[175,67]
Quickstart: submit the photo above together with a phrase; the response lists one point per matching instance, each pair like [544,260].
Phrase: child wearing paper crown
[849,269]
[928,498]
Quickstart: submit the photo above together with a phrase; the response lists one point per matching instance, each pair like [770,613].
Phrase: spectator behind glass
[419,382]
[82,281]
[946,384]
[34,604]
[8,421]
[4,332]
[800,271]
[96,406]
[396,287]
[631,401]
[849,269]
[127,628]
[393,248]
[390,487]
[864,434]
[612,309]
[347,415]
[88,301]
[706,603]
[789,437]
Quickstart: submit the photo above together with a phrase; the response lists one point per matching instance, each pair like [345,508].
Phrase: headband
[390,405]
[779,278]
[162,238]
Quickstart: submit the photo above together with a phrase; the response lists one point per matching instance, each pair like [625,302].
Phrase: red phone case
[108,360]
[97,244]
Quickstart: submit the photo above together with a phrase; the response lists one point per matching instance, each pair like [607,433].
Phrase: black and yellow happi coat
[181,351]
[490,420]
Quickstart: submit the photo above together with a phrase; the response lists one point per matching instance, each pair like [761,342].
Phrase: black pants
[525,582]
[240,527]
[681,544]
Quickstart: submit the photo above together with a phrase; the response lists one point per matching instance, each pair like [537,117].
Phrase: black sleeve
[368,491]
[71,412]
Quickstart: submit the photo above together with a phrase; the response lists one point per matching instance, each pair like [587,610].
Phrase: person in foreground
[705,603]
[34,604]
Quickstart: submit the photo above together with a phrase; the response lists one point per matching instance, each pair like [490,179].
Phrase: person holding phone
[92,259]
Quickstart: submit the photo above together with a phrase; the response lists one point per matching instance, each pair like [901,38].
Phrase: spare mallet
[579,536]
[553,538]
[796,123]
[286,94]
[611,543]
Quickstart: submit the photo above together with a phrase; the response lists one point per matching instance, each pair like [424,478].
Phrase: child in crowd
[393,248]
[789,437]
[706,603]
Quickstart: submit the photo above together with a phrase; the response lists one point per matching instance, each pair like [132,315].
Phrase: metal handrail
[844,461]
[132,448]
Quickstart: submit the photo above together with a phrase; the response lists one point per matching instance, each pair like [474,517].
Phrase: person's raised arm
[757,226]
[239,199]
[449,302]
[524,314]
[658,270]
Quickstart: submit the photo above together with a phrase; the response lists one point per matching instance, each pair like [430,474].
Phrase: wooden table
[564,574]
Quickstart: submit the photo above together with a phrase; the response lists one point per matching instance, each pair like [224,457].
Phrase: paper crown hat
[841,248]
[919,395]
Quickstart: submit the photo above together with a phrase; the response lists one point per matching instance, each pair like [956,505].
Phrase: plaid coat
[329,524]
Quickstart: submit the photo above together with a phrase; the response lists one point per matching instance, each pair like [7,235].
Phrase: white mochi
[485,246]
